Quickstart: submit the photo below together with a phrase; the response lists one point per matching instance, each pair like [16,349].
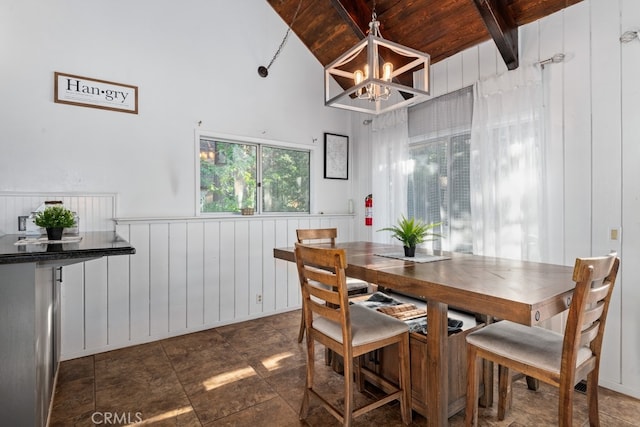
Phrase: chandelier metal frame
[375,94]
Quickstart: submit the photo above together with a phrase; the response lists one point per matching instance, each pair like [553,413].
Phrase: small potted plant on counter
[55,219]
[412,232]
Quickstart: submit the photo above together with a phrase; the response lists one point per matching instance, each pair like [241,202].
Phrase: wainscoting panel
[195,274]
[188,274]
[139,280]
[96,211]
[177,276]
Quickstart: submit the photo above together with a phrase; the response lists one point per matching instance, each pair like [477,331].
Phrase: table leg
[486,401]
[437,361]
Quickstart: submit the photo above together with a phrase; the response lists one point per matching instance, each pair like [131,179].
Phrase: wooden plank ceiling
[440,28]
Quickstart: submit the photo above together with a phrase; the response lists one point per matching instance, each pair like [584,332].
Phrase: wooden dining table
[521,291]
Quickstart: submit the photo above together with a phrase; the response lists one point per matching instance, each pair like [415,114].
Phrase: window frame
[259,143]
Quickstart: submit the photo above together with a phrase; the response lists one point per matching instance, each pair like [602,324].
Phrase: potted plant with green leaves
[55,219]
[412,232]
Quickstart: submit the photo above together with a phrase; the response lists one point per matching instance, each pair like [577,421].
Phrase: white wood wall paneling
[211,249]
[254,266]
[186,275]
[529,44]
[282,267]
[195,274]
[438,79]
[177,276]
[551,36]
[227,271]
[159,279]
[549,40]
[119,299]
[630,270]
[606,137]
[292,287]
[470,66]
[72,309]
[269,241]
[577,133]
[96,211]
[454,73]
[96,304]
[139,270]
[242,267]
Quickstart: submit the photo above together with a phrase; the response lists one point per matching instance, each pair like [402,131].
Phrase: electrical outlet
[258,298]
[614,234]
[22,223]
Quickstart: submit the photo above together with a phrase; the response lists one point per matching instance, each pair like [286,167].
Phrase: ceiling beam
[354,13]
[502,28]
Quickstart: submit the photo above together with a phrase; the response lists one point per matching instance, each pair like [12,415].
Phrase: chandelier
[377,75]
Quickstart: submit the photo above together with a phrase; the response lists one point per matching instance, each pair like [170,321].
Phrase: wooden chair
[329,235]
[348,330]
[559,360]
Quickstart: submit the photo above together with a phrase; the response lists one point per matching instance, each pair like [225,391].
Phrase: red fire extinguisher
[368,210]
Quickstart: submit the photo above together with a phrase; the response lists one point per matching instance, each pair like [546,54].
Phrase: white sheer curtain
[390,142]
[507,197]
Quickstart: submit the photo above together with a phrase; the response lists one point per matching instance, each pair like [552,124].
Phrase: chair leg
[304,407]
[592,398]
[505,391]
[486,400]
[533,383]
[473,382]
[405,379]
[565,403]
[358,374]
[301,332]
[329,359]
[348,390]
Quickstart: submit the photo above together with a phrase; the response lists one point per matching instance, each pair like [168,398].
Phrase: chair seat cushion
[356,284]
[366,326]
[352,284]
[531,345]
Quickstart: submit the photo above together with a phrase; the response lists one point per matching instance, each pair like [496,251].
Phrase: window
[236,175]
[438,186]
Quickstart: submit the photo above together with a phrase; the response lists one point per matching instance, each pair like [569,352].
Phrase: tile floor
[252,374]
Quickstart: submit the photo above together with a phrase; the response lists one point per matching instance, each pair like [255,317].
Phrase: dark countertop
[92,245]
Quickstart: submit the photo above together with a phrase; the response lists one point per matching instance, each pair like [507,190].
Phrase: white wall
[594,149]
[193,61]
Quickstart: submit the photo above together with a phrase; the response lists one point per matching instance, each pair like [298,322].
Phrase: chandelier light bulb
[387,70]
[357,79]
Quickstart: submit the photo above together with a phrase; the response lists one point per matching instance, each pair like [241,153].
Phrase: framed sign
[94,93]
[336,156]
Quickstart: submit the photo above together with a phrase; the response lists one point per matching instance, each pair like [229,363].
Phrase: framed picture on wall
[89,92]
[336,156]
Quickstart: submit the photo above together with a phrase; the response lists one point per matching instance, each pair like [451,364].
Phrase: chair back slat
[326,311]
[321,276]
[601,267]
[598,294]
[304,235]
[592,314]
[324,294]
[589,334]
